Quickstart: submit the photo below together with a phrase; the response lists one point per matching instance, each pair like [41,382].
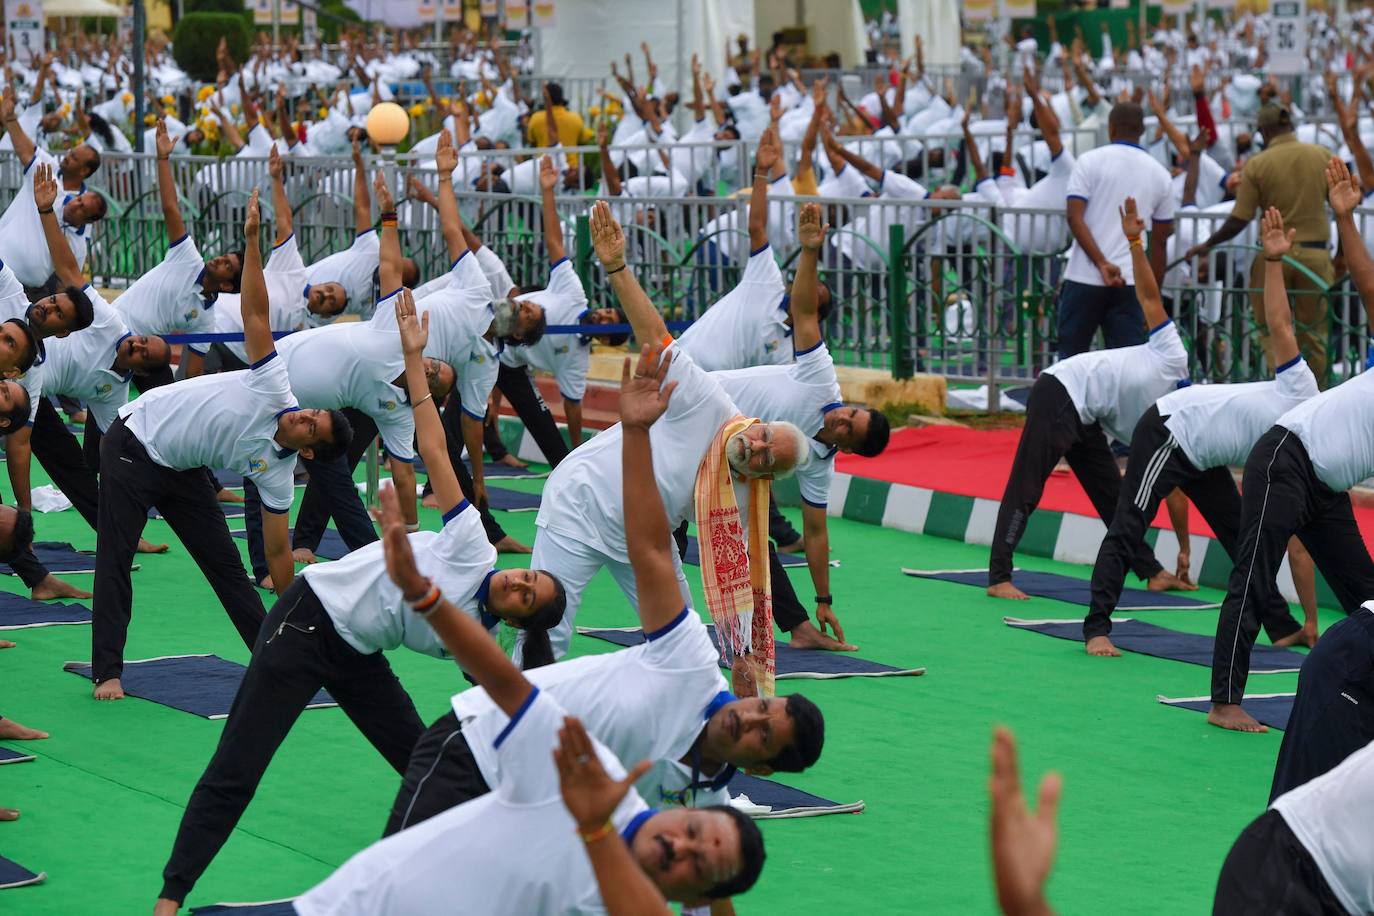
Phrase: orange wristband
[598,834]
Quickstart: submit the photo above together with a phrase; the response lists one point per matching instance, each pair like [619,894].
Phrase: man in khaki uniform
[1292,177]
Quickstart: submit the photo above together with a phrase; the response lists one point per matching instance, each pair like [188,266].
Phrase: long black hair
[538,649]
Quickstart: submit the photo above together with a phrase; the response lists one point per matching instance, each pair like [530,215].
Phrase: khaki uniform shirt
[1292,177]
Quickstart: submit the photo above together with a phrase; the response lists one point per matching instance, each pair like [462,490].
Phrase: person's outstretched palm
[1276,241]
[1342,188]
[1023,844]
[643,396]
[589,792]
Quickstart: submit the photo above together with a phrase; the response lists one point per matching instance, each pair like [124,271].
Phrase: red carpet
[977,463]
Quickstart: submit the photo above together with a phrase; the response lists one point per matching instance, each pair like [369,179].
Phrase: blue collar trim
[128,375]
[583,339]
[786,304]
[833,405]
[632,828]
[1127,143]
[489,620]
[668,628]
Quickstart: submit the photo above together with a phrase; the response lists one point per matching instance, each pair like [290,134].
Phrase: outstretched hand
[1342,187]
[252,223]
[44,187]
[1131,223]
[810,230]
[164,142]
[414,330]
[1023,844]
[274,164]
[445,156]
[769,151]
[644,397]
[382,192]
[589,792]
[548,175]
[400,559]
[1277,243]
[607,237]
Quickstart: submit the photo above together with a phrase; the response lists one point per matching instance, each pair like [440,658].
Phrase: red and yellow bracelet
[598,834]
[428,602]
[1134,241]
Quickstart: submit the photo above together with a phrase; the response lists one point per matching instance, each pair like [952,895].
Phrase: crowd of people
[631,809]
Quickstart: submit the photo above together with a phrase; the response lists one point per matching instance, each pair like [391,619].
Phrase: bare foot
[109,690]
[146,546]
[797,546]
[1165,581]
[304,555]
[430,501]
[1307,636]
[53,587]
[6,644]
[165,907]
[266,582]
[806,636]
[14,731]
[9,814]
[228,496]
[1007,590]
[1102,646]
[1230,715]
[511,461]
[509,544]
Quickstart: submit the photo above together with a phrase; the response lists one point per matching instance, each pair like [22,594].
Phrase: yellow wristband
[1136,242]
[598,834]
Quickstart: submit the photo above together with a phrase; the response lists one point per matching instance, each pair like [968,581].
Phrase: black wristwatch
[824,599]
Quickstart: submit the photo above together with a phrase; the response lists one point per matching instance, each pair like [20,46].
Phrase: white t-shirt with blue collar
[565,356]
[288,308]
[169,299]
[81,365]
[748,325]
[23,246]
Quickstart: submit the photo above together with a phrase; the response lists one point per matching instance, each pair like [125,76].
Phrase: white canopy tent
[937,22]
[57,9]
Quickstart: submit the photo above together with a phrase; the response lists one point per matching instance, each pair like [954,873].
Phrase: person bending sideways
[1189,439]
[707,454]
[1071,405]
[663,700]
[1296,482]
[331,628]
[517,850]
[156,454]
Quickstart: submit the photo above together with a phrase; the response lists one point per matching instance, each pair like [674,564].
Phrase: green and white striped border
[1062,536]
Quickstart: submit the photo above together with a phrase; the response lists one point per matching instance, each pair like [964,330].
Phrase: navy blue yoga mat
[512,500]
[784,801]
[9,755]
[791,663]
[18,612]
[274,908]
[332,545]
[1148,639]
[61,557]
[1272,710]
[533,472]
[693,557]
[230,510]
[203,685]
[12,874]
[1066,588]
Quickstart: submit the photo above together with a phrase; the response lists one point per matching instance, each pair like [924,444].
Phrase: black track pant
[131,484]
[788,611]
[1280,497]
[453,436]
[56,448]
[297,653]
[441,774]
[1156,467]
[1054,430]
[141,383]
[517,386]
[1269,871]
[1333,713]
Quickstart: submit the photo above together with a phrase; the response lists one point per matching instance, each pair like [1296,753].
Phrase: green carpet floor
[1153,796]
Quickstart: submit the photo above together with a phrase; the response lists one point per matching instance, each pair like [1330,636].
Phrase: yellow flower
[416,110]
[324,112]
[234,108]
[149,119]
[204,93]
[168,100]
[594,111]
[443,103]
[126,97]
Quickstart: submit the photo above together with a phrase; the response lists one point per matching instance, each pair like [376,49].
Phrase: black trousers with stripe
[1333,713]
[442,774]
[1281,496]
[1156,467]
[1054,430]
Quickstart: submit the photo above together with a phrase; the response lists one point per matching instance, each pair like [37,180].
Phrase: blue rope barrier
[589,329]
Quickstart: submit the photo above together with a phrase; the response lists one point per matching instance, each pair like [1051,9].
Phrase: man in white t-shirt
[332,628]
[1296,482]
[664,699]
[564,356]
[581,522]
[1071,405]
[1311,852]
[178,295]
[1033,232]
[1099,288]
[155,455]
[1190,439]
[692,856]
[21,239]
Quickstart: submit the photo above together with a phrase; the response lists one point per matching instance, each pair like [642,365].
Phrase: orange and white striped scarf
[735,577]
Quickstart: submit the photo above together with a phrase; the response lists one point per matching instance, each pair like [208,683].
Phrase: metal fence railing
[961,289]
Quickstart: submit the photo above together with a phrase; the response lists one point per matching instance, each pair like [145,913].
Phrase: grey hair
[799,438]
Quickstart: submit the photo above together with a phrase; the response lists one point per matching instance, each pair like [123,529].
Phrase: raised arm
[465,638]
[166,187]
[64,263]
[257,326]
[1278,316]
[1146,289]
[866,168]
[1343,190]
[450,220]
[1044,114]
[975,156]
[389,240]
[717,111]
[281,205]
[553,228]
[362,203]
[23,145]
[765,160]
[1175,135]
[609,242]
[643,399]
[614,188]
[805,301]
[1348,117]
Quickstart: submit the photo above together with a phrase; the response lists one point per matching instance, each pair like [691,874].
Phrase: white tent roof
[59,8]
